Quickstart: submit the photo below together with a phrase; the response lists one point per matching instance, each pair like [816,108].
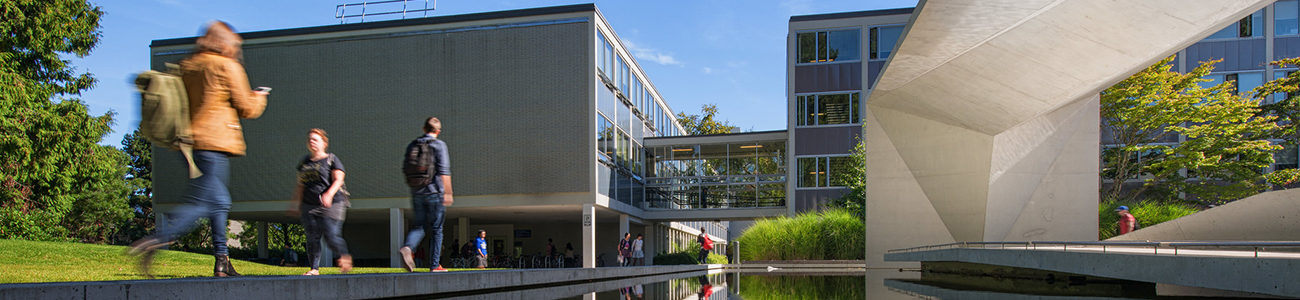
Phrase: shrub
[1147,213]
[832,234]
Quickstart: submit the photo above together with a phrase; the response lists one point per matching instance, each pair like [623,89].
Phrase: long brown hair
[221,39]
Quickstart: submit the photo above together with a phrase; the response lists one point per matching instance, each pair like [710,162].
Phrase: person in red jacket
[1127,222]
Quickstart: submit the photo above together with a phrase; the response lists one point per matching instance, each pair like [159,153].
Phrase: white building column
[263,244]
[396,232]
[648,247]
[159,221]
[588,236]
[623,226]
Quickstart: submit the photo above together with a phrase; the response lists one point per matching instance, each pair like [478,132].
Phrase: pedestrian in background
[322,201]
[427,167]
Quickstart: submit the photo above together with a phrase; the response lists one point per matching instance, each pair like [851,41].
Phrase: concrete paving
[1272,273]
[358,286]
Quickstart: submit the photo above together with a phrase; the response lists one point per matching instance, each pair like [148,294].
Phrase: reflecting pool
[869,284]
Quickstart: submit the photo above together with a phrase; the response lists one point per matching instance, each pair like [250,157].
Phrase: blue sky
[730,53]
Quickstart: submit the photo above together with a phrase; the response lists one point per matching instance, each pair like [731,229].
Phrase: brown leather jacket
[219,97]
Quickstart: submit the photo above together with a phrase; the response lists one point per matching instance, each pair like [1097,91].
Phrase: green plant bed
[31,261]
[687,257]
[828,235]
[1147,213]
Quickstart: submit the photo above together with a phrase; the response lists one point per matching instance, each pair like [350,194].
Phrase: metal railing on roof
[382,8]
[1256,246]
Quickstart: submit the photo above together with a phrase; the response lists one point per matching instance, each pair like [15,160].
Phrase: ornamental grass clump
[828,235]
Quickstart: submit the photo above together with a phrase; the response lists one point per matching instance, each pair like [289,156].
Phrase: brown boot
[345,263]
[223,267]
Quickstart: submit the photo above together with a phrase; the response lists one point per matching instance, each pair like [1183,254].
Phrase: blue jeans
[318,227]
[206,197]
[429,214]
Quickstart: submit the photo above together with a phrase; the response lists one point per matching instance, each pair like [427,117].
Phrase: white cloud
[708,70]
[653,55]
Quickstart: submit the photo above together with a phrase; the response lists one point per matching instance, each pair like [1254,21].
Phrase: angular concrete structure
[984,125]
[1271,216]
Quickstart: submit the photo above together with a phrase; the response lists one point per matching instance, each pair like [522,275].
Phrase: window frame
[802,109]
[823,34]
[824,176]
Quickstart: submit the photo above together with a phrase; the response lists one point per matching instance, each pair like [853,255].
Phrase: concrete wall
[501,95]
[1270,216]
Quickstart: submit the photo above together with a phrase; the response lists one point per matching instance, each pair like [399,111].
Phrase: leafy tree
[706,123]
[56,181]
[855,179]
[1287,113]
[1225,146]
[139,176]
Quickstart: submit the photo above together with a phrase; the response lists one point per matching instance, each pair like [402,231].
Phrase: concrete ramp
[1270,216]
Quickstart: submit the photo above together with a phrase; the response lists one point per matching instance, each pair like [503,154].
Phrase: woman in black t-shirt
[320,176]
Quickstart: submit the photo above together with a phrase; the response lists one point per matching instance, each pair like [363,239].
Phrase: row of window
[618,148]
[1245,82]
[1286,21]
[846,44]
[616,70]
[828,109]
[823,171]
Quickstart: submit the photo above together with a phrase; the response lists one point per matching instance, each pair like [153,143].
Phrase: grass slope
[28,261]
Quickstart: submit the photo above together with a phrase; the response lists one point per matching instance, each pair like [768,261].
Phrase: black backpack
[417,164]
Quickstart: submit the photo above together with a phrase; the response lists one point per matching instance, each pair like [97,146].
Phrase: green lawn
[28,261]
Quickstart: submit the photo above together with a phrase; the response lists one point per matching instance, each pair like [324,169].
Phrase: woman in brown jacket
[219,96]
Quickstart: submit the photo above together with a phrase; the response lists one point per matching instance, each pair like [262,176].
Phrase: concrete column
[462,230]
[649,248]
[326,255]
[588,251]
[159,221]
[263,244]
[623,226]
[396,232]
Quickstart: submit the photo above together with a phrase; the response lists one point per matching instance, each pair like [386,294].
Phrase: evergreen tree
[56,181]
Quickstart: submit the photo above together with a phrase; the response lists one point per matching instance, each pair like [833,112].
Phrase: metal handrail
[340,11]
[1155,245]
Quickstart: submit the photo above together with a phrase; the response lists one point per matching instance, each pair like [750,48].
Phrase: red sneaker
[439,269]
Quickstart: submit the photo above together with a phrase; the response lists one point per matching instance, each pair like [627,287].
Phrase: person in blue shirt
[429,201]
[481,249]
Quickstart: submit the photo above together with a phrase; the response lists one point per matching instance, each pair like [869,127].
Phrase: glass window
[844,45]
[623,120]
[1286,158]
[606,101]
[600,51]
[625,78]
[1253,26]
[1279,97]
[1213,79]
[883,40]
[609,60]
[1250,26]
[834,109]
[828,109]
[605,133]
[809,170]
[839,165]
[1247,82]
[821,46]
[801,117]
[807,47]
[1286,18]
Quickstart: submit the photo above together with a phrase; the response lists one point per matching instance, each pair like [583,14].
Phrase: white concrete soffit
[987,65]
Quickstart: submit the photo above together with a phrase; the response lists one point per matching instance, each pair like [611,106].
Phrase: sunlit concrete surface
[984,125]
[1272,273]
[1270,216]
[360,286]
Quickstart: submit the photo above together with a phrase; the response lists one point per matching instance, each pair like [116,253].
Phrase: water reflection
[871,284]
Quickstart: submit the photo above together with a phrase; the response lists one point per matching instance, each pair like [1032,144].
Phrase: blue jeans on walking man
[429,213]
[207,196]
